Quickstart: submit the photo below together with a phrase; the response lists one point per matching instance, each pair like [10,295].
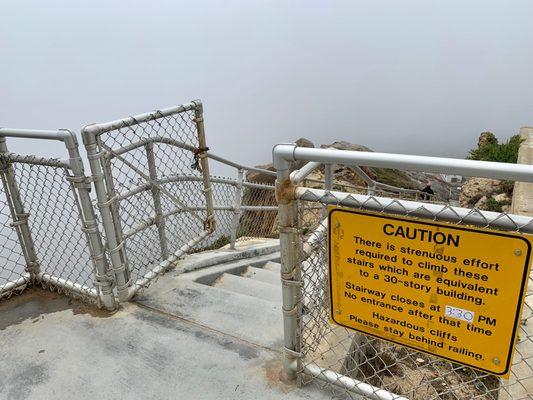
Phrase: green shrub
[493,205]
[501,152]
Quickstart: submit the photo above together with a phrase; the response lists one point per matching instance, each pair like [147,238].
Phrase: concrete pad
[55,350]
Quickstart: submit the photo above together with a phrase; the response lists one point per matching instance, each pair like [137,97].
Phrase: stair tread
[263,275]
[272,266]
[249,287]
[223,310]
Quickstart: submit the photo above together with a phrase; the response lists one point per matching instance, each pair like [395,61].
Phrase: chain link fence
[245,207]
[352,365]
[49,225]
[155,199]
[395,369]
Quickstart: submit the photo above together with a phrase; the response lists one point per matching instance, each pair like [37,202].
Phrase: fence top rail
[62,135]
[35,160]
[439,212]
[101,128]
[285,153]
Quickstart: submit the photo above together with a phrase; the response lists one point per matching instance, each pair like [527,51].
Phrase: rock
[263,223]
[502,198]
[303,142]
[486,138]
[261,177]
[342,145]
[475,188]
[481,203]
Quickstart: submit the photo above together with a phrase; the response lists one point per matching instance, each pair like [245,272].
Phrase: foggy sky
[419,77]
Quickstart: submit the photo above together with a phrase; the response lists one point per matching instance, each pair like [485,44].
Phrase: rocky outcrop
[486,194]
[263,223]
[486,138]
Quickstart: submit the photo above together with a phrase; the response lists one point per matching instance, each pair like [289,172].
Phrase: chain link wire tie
[21,219]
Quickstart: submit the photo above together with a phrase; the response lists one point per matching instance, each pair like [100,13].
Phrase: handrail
[132,191]
[301,174]
[172,142]
[239,166]
[285,153]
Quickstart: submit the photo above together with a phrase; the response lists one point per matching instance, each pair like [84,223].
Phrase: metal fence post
[202,156]
[290,267]
[90,225]
[20,218]
[114,246]
[156,196]
[237,207]
[328,184]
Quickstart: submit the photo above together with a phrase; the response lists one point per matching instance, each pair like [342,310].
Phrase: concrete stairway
[241,298]
[263,283]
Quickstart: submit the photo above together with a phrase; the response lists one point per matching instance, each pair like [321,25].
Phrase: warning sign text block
[451,291]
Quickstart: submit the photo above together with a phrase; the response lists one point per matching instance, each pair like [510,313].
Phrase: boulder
[486,138]
[502,198]
[481,203]
[475,188]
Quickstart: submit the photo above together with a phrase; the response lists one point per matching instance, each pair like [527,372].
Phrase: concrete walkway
[54,348]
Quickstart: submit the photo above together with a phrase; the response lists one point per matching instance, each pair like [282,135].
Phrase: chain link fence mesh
[12,262]
[55,224]
[258,223]
[397,369]
[56,227]
[154,221]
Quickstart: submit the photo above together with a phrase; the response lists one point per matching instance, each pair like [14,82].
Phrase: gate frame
[288,193]
[80,185]
[102,178]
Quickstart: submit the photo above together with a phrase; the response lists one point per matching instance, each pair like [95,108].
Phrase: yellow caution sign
[452,291]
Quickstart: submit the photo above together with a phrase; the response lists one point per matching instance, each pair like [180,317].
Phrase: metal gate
[147,171]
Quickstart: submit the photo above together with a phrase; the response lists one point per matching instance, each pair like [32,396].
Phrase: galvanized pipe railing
[484,169]
[287,194]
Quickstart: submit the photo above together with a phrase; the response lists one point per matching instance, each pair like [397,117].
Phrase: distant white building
[453,179]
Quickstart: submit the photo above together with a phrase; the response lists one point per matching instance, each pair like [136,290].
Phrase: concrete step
[249,287]
[272,266]
[262,275]
[253,319]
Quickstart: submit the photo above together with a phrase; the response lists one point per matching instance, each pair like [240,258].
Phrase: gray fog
[419,77]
